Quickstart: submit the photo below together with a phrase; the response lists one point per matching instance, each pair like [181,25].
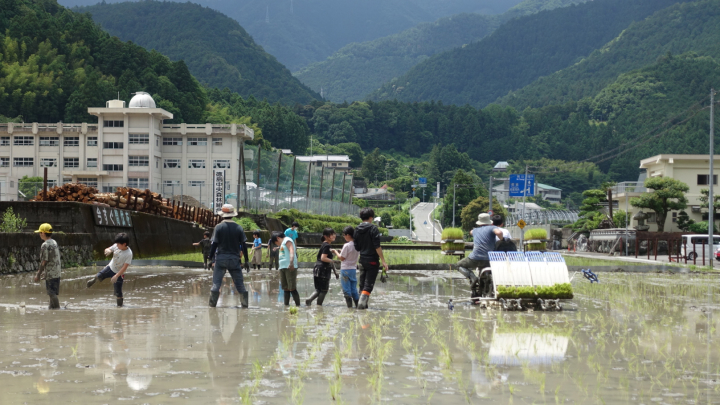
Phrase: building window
[702,179]
[108,189]
[196,183]
[113,124]
[92,162]
[157,142]
[141,183]
[48,162]
[139,139]
[138,161]
[71,162]
[221,164]
[217,141]
[172,141]
[23,162]
[24,141]
[67,180]
[112,145]
[92,141]
[171,164]
[49,141]
[197,141]
[334,164]
[88,181]
[113,168]
[52,183]
[651,217]
[169,183]
[157,163]
[71,141]
[4,162]
[674,217]
[4,141]
[196,164]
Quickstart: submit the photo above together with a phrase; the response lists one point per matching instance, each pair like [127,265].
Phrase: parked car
[694,246]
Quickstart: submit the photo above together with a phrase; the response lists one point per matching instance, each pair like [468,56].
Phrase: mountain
[359,68]
[56,63]
[518,53]
[677,29]
[216,49]
[298,33]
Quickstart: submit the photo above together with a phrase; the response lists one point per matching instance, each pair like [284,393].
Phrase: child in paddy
[205,245]
[50,265]
[323,268]
[349,258]
[115,271]
[256,250]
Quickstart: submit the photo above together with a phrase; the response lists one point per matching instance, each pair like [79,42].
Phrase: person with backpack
[367,242]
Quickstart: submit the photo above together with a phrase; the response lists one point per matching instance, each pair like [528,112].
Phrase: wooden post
[332,192]
[277,181]
[342,197]
[292,185]
[637,245]
[685,245]
[694,254]
[322,179]
[703,252]
[244,175]
[656,248]
[309,180]
[44,184]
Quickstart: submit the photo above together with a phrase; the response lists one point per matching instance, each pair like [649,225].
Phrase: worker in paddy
[227,242]
[484,237]
[49,265]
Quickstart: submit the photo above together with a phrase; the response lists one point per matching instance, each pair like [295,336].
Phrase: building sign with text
[106,216]
[218,190]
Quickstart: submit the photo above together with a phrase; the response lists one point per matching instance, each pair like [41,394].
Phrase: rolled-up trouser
[288,279]
[108,273]
[321,284]
[52,285]
[471,264]
[368,275]
[348,280]
[275,262]
[231,264]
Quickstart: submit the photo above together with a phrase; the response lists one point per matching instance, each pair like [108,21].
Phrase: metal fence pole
[277,181]
[292,185]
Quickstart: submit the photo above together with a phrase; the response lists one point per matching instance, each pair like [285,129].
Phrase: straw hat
[484,219]
[228,211]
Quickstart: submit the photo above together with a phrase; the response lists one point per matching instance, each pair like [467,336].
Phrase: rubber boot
[363,303]
[92,281]
[349,301]
[321,298]
[310,299]
[296,298]
[287,298]
[214,297]
[119,302]
[54,302]
[355,302]
[469,274]
[244,300]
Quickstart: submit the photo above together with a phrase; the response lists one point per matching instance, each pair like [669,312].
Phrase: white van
[698,241]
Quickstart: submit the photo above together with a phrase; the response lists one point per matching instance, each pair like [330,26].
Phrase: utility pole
[711,180]
[522,234]
[454,203]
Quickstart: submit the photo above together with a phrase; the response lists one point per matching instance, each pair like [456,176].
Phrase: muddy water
[633,339]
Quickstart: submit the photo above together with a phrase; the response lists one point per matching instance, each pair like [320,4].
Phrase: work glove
[383,277]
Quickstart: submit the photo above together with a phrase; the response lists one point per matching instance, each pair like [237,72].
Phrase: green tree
[469,189]
[477,206]
[684,222]
[401,221]
[590,215]
[704,197]
[668,194]
[12,222]
[619,218]
[30,186]
[386,219]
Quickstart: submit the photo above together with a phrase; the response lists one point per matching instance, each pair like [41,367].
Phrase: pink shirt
[351,257]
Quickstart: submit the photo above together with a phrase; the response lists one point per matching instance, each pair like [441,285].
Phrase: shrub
[12,222]
[247,223]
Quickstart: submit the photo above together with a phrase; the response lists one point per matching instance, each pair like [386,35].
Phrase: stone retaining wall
[20,252]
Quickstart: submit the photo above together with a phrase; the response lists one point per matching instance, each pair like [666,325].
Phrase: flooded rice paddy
[632,339]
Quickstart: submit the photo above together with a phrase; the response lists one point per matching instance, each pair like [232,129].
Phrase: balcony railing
[628,187]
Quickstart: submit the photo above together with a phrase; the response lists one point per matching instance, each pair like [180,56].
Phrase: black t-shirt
[325,269]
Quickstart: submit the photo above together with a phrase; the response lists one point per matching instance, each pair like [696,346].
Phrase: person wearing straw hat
[50,265]
[227,242]
[484,236]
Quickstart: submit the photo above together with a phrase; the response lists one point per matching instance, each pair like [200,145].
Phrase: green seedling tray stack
[536,239]
[557,291]
[452,242]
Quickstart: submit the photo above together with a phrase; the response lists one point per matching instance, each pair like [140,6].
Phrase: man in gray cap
[227,242]
[483,242]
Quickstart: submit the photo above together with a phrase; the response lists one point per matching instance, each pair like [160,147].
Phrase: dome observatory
[142,100]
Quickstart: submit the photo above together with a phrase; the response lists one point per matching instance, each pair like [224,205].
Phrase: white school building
[129,146]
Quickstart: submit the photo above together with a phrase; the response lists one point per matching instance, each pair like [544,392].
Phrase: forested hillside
[56,63]
[298,33]
[217,50]
[518,53]
[677,29]
[358,69]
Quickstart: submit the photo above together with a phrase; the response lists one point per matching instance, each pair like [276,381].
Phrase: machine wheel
[541,304]
[503,303]
[692,256]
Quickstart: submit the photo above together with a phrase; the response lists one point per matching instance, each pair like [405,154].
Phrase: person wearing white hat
[227,241]
[483,242]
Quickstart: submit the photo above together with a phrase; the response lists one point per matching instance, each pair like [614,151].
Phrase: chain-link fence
[275,181]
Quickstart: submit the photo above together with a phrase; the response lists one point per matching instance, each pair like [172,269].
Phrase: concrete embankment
[20,252]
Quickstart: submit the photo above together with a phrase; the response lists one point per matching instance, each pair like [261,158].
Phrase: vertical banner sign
[218,189]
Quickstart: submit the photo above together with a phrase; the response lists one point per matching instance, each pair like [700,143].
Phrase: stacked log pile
[130,199]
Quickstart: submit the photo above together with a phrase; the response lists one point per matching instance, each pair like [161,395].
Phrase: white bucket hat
[484,219]
[228,211]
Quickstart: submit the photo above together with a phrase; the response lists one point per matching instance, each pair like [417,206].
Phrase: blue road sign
[517,185]
[422,181]
[434,194]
